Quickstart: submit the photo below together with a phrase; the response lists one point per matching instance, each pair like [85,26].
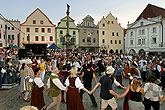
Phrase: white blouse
[38,82]
[78,83]
[57,82]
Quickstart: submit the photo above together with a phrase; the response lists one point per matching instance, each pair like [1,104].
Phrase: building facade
[147,33]
[37,29]
[111,35]
[88,34]
[9,32]
[62,31]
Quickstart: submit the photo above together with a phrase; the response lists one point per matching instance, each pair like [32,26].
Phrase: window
[51,38]
[113,34]
[88,39]
[41,22]
[61,32]
[42,38]
[0,44]
[27,29]
[28,38]
[143,41]
[117,34]
[1,25]
[119,41]
[112,22]
[154,40]
[131,33]
[83,40]
[103,25]
[84,30]
[49,30]
[154,30]
[140,32]
[103,41]
[139,41]
[34,21]
[115,41]
[103,32]
[12,28]
[8,28]
[117,51]
[12,37]
[42,29]
[141,23]
[36,38]
[88,23]
[111,42]
[94,40]
[0,35]
[131,42]
[36,29]
[143,32]
[74,32]
[9,37]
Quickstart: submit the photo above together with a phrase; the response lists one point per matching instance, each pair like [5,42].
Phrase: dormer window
[141,23]
[103,25]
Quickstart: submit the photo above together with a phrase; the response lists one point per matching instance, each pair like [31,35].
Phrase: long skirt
[7,81]
[73,99]
[37,98]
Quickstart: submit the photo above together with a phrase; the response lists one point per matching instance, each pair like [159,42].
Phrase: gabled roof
[151,11]
[88,17]
[65,19]
[41,12]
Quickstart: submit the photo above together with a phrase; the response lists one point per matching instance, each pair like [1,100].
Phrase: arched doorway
[117,51]
[111,51]
[141,51]
[121,51]
[132,51]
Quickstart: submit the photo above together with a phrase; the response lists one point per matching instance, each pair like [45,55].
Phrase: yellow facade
[111,35]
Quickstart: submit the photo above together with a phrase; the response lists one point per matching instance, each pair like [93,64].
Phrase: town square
[82,55]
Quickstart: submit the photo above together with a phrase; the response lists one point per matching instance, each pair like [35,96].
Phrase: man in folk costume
[27,79]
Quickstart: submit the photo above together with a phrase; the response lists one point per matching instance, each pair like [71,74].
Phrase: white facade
[9,32]
[146,35]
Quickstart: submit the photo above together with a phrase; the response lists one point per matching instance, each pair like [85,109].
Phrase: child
[37,98]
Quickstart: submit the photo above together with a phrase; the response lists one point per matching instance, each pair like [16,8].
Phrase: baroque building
[147,33]
[9,32]
[111,35]
[62,31]
[88,34]
[37,29]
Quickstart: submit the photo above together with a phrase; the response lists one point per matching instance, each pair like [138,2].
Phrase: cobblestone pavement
[9,99]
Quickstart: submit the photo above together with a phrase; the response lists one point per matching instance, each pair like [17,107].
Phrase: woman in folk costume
[27,79]
[55,89]
[73,84]
[37,97]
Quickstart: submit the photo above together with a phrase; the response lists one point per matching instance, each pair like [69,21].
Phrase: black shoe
[94,105]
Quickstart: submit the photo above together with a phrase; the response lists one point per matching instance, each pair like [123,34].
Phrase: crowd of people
[72,74]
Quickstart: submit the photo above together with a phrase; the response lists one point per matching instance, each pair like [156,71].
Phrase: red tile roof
[151,11]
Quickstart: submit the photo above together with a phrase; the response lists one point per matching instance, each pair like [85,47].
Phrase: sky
[124,10]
